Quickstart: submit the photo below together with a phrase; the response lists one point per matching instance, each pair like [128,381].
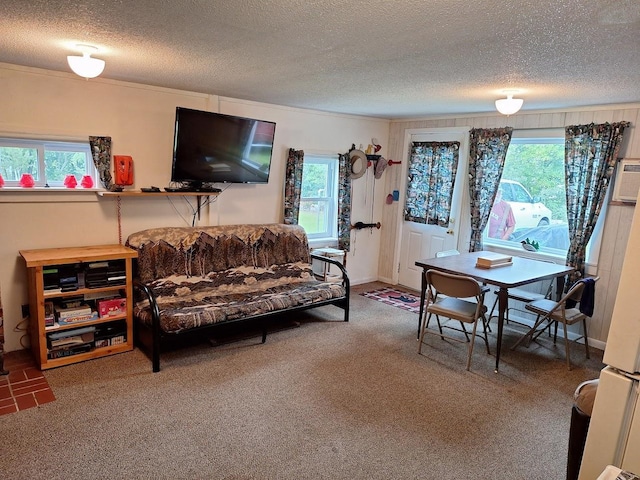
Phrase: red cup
[70,181]
[1,181]
[27,181]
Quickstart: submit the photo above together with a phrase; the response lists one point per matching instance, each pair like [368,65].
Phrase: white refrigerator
[614,430]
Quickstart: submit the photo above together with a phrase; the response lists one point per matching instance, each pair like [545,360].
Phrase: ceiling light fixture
[509,105]
[85,65]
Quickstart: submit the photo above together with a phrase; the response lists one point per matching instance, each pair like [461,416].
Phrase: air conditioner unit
[627,182]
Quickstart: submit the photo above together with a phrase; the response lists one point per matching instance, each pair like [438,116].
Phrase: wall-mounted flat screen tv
[215,148]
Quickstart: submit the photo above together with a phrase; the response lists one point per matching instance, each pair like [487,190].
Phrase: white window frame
[593,247]
[42,146]
[329,237]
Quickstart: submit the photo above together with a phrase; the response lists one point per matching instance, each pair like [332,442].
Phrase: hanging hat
[359,163]
[380,166]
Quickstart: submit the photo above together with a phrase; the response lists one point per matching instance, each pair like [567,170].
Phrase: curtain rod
[538,128]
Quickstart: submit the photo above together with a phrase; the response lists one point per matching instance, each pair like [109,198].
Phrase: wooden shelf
[138,193]
[97,321]
[80,357]
[83,291]
[66,255]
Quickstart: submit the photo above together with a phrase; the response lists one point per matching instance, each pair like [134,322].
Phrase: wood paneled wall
[617,222]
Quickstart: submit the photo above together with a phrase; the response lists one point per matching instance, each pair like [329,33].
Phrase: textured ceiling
[385,58]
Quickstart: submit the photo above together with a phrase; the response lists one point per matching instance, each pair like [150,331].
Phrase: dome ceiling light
[509,105]
[86,66]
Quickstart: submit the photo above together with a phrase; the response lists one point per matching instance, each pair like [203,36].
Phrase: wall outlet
[25,311]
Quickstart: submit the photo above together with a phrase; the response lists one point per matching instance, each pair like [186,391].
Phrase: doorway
[424,240]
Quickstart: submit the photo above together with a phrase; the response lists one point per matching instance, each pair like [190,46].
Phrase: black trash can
[583,398]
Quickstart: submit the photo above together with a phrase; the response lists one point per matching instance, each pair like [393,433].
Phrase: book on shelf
[79,318]
[111,307]
[96,265]
[104,274]
[493,259]
[69,350]
[70,312]
[49,314]
[70,342]
[116,279]
[72,332]
[72,302]
[100,296]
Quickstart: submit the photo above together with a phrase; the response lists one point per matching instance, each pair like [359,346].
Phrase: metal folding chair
[446,297]
[566,311]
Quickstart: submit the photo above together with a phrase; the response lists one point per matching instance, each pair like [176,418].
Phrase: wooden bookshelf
[39,260]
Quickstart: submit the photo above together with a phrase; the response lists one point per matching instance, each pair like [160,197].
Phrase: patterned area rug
[399,299]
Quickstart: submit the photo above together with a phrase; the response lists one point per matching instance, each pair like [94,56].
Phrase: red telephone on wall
[123,169]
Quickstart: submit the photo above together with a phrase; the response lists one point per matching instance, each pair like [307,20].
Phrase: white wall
[140,121]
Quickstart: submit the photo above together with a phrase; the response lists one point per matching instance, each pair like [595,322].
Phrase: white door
[424,241]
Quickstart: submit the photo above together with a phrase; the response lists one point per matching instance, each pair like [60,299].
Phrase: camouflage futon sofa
[193,278]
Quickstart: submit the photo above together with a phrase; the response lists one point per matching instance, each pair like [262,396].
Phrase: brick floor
[25,386]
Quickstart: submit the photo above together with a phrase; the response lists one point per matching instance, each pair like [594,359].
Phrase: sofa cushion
[199,251]
[187,303]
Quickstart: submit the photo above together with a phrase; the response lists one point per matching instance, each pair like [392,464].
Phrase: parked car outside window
[528,211]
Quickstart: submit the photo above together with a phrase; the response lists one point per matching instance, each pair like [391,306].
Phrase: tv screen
[215,148]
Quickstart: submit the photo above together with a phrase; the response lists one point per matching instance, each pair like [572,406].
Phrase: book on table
[493,259]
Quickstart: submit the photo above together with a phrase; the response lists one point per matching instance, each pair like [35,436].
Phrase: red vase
[1,181]
[87,181]
[27,181]
[70,181]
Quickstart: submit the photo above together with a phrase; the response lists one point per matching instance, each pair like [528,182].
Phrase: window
[48,162]
[533,188]
[318,198]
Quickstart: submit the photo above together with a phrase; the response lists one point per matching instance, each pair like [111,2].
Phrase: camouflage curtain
[101,152]
[432,176]
[591,152]
[293,186]
[487,152]
[344,202]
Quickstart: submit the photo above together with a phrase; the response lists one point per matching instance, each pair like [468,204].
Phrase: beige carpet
[327,400]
